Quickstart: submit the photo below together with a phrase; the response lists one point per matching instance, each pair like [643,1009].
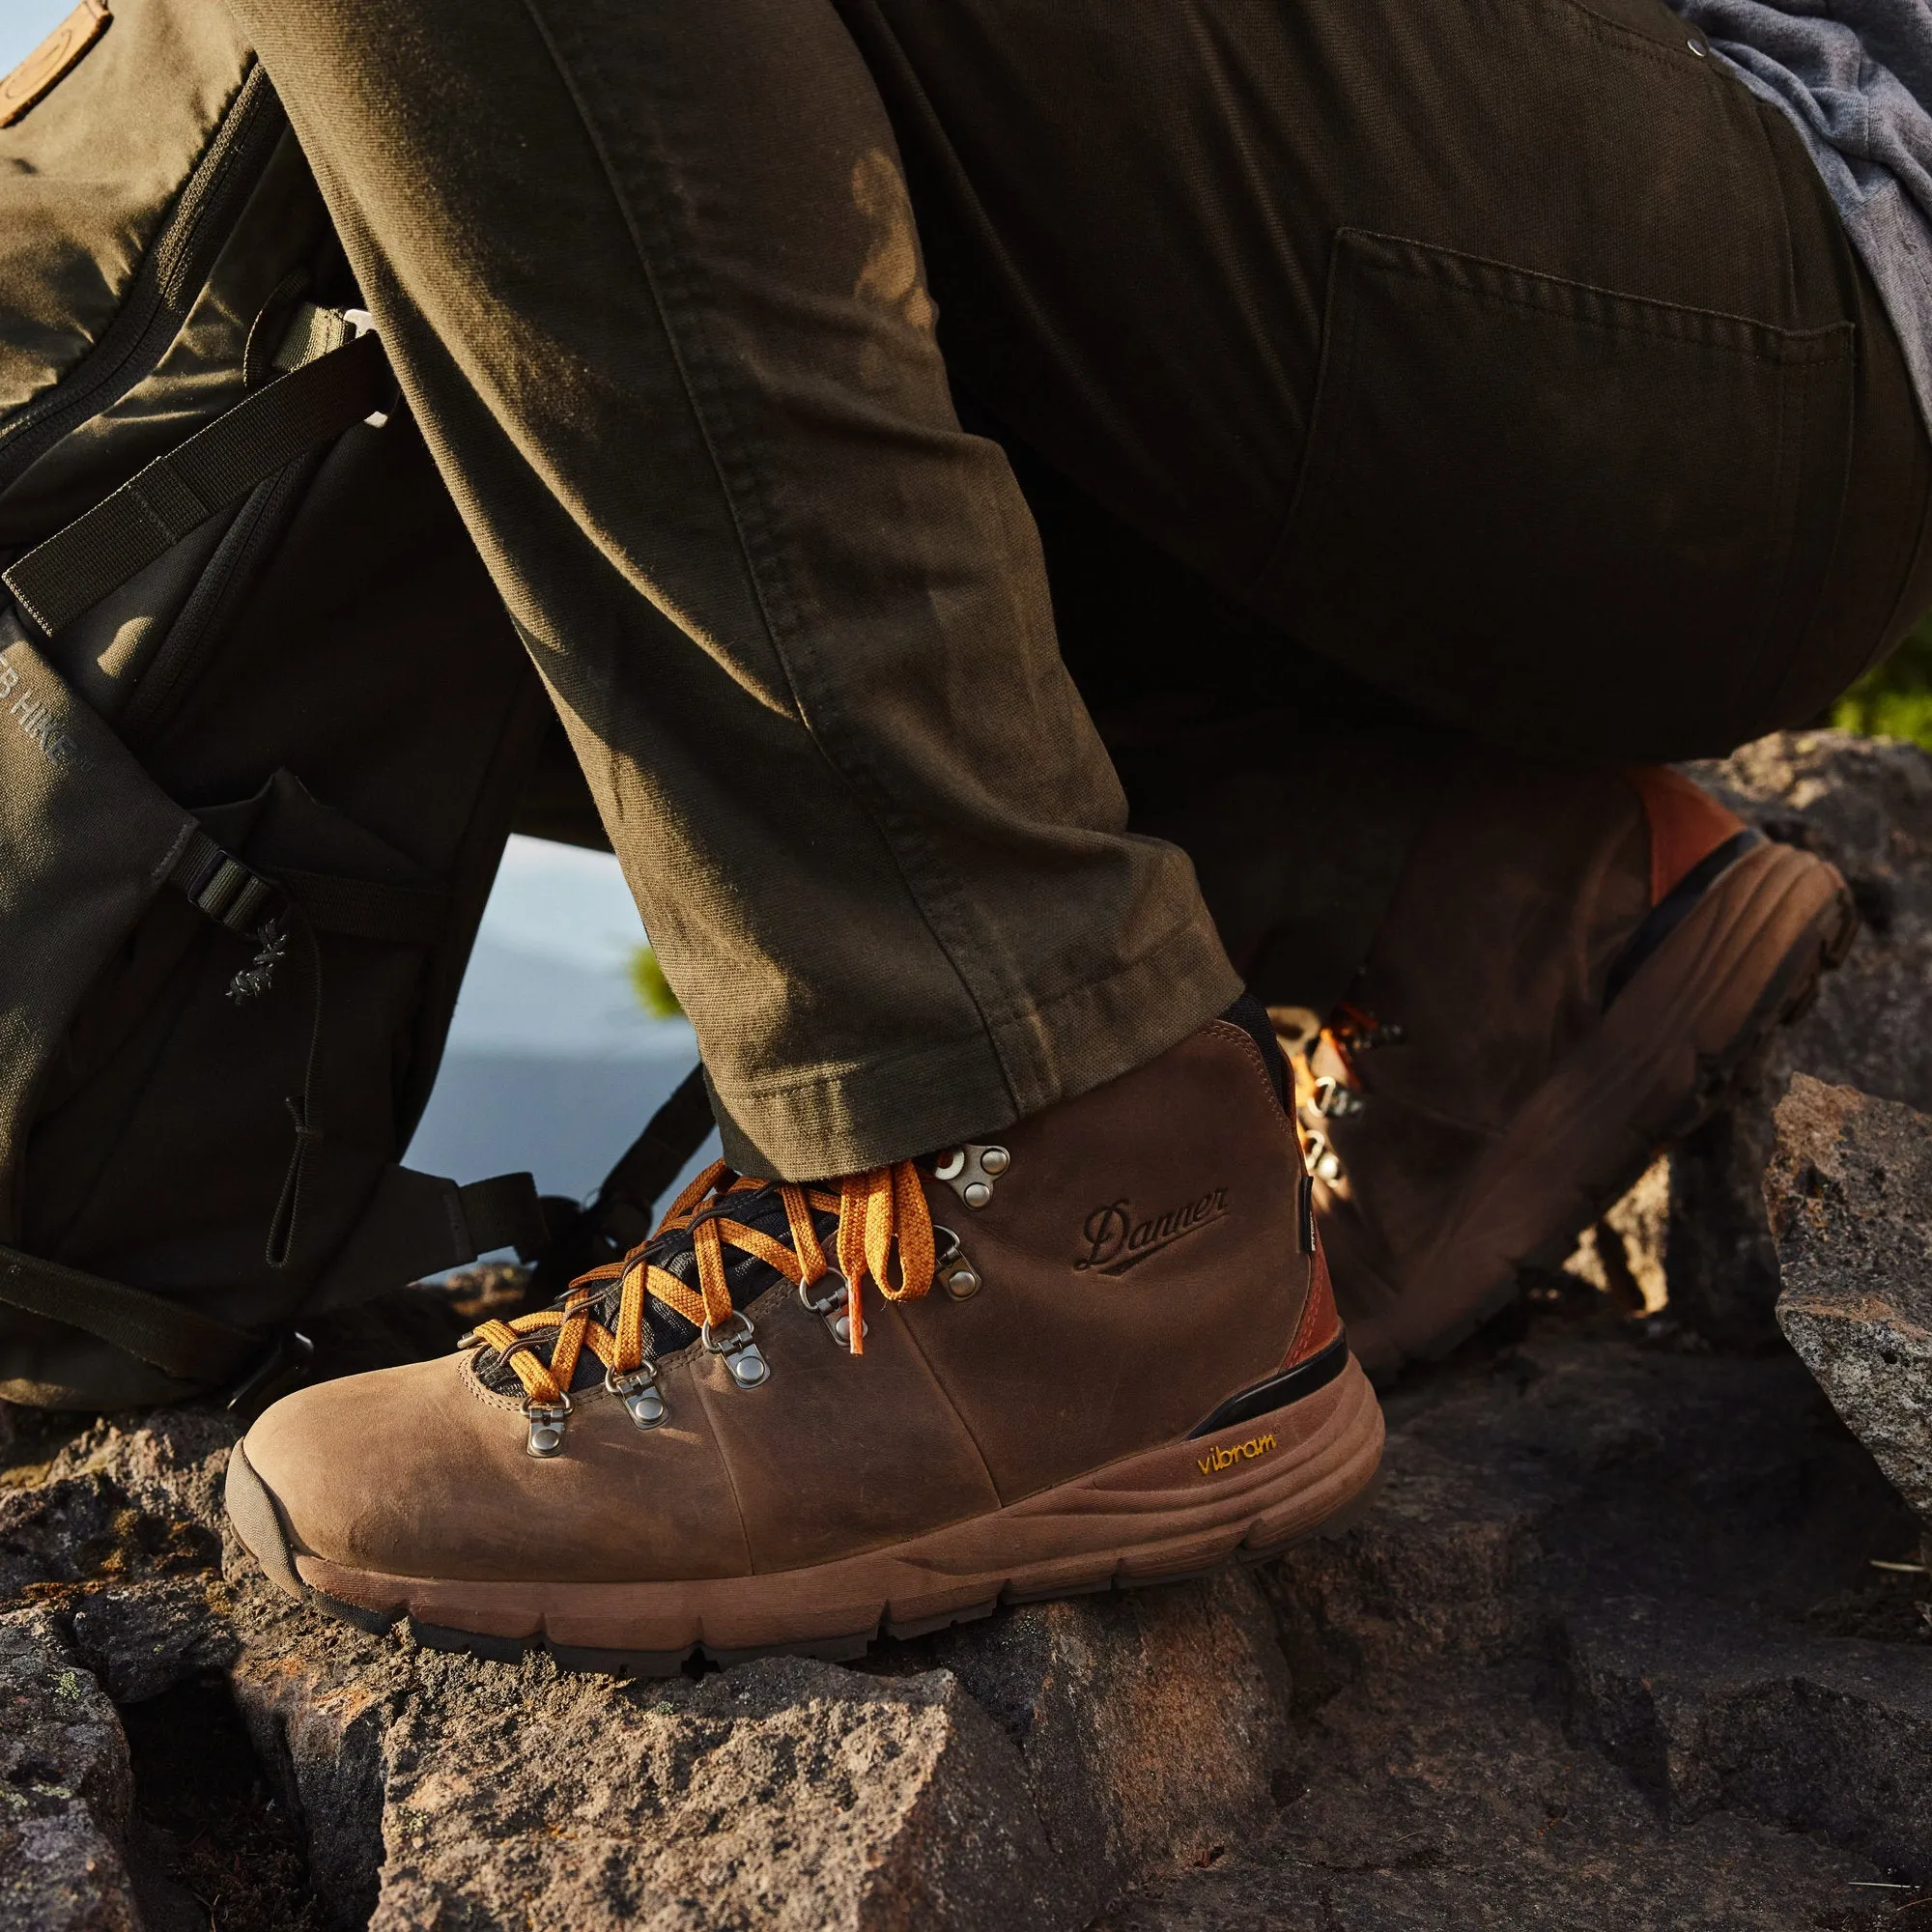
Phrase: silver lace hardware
[638,1390]
[546,1420]
[744,1361]
[970,1171]
[824,1305]
[957,1275]
[831,1310]
[1335,1100]
[1323,1162]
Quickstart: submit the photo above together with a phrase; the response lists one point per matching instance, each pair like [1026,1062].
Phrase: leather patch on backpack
[54,60]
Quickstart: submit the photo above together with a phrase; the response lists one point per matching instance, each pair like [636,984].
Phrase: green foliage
[1894,700]
[652,989]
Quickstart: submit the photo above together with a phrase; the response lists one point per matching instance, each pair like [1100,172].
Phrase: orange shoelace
[879,1210]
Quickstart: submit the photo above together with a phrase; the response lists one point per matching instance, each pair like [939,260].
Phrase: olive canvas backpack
[264,728]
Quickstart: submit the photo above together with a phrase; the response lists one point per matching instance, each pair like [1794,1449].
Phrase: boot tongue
[746,1277]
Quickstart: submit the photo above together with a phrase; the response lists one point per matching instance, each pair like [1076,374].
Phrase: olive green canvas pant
[1382,376]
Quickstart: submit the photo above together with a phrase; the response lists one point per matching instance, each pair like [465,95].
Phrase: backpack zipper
[164,287]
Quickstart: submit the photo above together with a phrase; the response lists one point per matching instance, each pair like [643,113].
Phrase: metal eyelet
[1322,1159]
[831,1310]
[970,1171]
[825,1304]
[1335,1100]
[638,1390]
[546,1420]
[743,1360]
[954,1274]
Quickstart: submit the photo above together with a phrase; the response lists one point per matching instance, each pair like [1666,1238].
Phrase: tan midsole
[1256,1486]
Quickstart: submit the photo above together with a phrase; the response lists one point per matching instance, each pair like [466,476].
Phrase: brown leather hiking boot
[1575,970]
[1102,1352]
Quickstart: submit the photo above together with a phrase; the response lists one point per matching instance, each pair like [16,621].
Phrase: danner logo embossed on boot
[1117,1241]
[1240,1452]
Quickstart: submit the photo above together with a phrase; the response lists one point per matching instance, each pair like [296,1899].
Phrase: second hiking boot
[1575,969]
[1098,1350]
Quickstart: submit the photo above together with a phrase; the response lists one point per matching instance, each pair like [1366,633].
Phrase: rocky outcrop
[1027,1770]
[1024,1773]
[66,1788]
[1850,1200]
[1610,1650]
[1866,805]
[1633,1638]
[1592,1664]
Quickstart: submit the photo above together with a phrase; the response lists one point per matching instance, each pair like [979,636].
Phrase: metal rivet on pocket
[1695,48]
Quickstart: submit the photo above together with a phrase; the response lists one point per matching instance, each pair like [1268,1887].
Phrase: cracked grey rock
[1866,805]
[1568,1676]
[143,1639]
[65,1789]
[1027,1770]
[783,1794]
[169,1463]
[1707,1712]
[778,1794]
[1149,1723]
[120,1501]
[1850,1200]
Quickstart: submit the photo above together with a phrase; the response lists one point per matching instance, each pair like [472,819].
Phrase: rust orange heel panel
[1320,1323]
[1687,824]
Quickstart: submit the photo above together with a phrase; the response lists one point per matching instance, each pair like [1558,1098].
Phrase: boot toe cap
[422,1473]
[371,1473]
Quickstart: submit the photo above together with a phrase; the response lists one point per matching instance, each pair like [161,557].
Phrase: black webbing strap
[156,508]
[651,1162]
[234,896]
[187,1345]
[619,1214]
[501,1213]
[220,885]
[420,1224]
[417,1225]
[369,908]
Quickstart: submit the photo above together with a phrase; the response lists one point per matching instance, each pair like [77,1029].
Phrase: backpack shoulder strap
[159,505]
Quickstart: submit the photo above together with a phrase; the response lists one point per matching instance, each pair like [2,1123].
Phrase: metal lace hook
[546,1420]
[638,1390]
[742,1355]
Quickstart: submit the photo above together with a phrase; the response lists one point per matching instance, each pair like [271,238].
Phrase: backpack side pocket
[87,839]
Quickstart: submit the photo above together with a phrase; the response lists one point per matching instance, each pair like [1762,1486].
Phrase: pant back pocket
[1552,513]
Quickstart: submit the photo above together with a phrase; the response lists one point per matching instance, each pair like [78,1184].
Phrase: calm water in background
[552,1065]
